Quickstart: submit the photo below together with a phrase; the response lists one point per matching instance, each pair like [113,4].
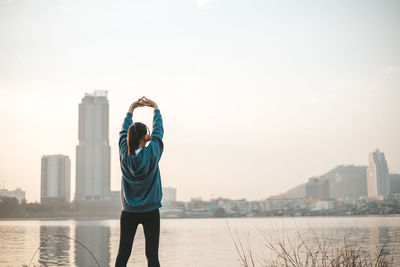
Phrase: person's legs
[128,223]
[151,228]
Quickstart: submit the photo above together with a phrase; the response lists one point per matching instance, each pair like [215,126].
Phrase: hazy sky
[256,96]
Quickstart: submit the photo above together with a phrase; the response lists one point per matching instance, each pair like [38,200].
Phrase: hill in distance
[347,181]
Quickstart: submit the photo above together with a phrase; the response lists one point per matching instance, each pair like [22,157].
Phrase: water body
[185,242]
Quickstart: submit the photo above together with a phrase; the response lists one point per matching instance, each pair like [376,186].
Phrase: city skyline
[56,170]
[103,94]
[256,97]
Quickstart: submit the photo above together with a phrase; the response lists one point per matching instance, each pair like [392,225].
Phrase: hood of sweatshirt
[140,164]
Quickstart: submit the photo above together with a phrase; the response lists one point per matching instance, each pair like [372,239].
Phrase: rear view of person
[141,183]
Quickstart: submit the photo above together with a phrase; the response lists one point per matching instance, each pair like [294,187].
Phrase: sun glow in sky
[256,96]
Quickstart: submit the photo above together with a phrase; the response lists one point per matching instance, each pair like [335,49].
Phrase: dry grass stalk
[310,250]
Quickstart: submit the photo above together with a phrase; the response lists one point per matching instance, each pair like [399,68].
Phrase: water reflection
[382,240]
[184,242]
[56,250]
[97,239]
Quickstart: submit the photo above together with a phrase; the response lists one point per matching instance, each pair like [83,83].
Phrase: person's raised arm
[156,145]
[123,146]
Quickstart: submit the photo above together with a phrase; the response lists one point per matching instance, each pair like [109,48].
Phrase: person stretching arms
[141,191]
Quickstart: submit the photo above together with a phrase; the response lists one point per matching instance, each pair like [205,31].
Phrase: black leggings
[151,227]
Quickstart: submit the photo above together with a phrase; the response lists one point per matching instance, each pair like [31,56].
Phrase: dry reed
[310,249]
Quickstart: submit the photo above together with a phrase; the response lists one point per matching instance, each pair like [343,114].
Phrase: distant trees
[219,213]
[8,206]
[11,208]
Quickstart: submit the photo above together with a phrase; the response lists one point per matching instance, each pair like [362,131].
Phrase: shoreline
[98,218]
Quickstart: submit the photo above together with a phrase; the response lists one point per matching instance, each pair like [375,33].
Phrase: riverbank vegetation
[312,248]
[10,208]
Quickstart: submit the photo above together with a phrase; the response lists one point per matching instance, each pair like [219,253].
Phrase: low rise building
[17,193]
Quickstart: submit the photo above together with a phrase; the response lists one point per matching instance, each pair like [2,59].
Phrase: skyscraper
[55,178]
[93,151]
[378,180]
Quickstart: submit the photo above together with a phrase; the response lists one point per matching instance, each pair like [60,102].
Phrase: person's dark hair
[135,132]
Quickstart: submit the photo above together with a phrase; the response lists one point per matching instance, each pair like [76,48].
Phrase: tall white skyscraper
[55,178]
[378,180]
[93,152]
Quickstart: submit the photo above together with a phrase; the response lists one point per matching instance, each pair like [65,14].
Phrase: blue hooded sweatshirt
[141,181]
